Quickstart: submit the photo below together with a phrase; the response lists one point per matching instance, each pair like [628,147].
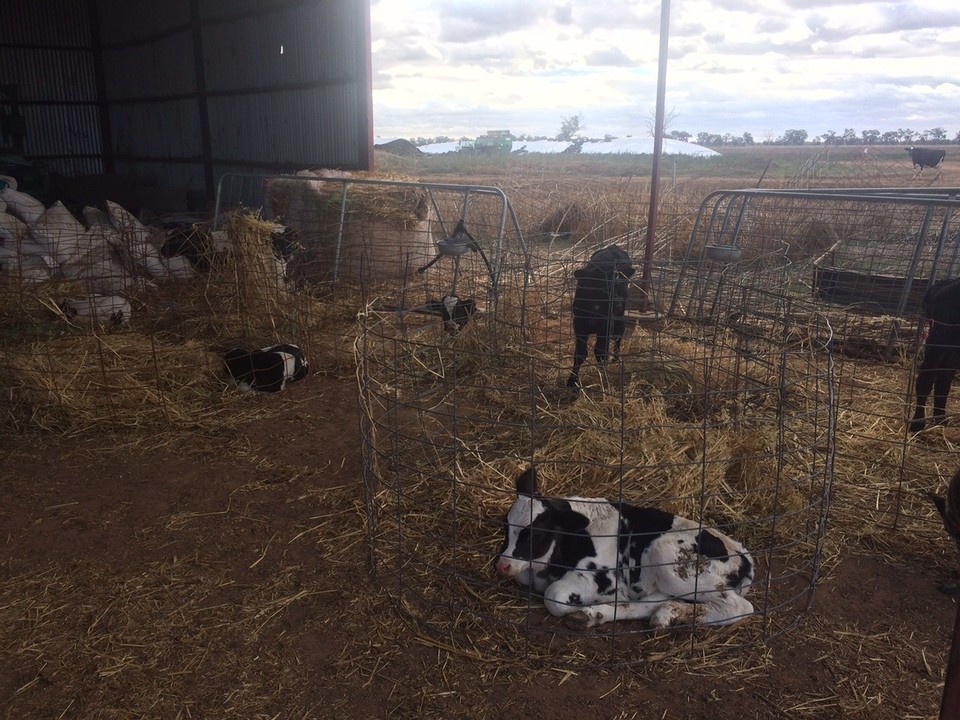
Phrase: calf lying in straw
[456,313]
[595,561]
[268,369]
[98,309]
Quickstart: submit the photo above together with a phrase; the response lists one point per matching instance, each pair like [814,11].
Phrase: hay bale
[386,232]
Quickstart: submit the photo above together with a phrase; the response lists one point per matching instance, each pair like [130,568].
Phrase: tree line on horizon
[572,131]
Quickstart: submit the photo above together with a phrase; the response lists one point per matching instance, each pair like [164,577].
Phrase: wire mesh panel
[872,251]
[729,425]
[436,238]
[864,258]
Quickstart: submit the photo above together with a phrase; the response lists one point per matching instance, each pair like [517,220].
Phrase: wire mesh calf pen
[729,424]
[155,309]
[863,258]
[867,252]
[394,232]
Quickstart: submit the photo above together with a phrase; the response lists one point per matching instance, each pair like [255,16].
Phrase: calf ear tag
[527,482]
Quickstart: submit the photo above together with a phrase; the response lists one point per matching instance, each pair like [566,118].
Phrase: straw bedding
[451,417]
[689,421]
[164,366]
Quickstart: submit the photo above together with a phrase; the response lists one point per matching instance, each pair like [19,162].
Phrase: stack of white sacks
[110,253]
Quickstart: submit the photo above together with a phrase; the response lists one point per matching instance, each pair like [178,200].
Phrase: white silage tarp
[620,146]
[644,146]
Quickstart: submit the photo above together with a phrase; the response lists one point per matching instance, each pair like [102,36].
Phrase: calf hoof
[573,382]
[672,614]
[916,426]
[579,620]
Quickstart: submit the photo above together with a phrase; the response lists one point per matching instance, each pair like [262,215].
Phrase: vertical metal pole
[203,112]
[103,107]
[645,283]
[365,155]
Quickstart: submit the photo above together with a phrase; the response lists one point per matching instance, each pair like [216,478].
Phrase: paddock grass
[746,166]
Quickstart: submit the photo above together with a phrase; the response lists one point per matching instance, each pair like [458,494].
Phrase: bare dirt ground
[227,576]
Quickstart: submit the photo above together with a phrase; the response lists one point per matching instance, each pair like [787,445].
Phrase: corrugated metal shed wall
[191,88]
[46,51]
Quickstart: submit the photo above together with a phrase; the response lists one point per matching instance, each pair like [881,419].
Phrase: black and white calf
[456,313]
[941,350]
[599,304]
[595,561]
[100,309]
[268,369]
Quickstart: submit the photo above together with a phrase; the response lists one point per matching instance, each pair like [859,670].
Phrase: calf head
[524,541]
[456,312]
[534,529]
[296,365]
[613,258]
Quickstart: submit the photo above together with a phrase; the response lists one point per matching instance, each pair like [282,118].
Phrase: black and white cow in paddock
[268,369]
[941,350]
[926,157]
[599,303]
[595,561]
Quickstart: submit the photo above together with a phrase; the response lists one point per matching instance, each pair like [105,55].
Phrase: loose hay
[82,381]
[164,368]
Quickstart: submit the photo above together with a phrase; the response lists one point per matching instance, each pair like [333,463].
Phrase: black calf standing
[941,351]
[599,303]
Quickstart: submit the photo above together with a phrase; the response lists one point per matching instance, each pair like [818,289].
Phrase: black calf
[941,351]
[599,303]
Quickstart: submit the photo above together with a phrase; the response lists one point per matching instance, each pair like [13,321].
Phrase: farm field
[223,571]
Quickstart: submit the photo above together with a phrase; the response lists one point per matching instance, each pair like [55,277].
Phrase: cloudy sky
[461,67]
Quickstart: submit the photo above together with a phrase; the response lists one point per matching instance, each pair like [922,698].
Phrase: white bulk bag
[25,207]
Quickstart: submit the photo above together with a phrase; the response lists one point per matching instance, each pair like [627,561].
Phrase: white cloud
[461,67]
